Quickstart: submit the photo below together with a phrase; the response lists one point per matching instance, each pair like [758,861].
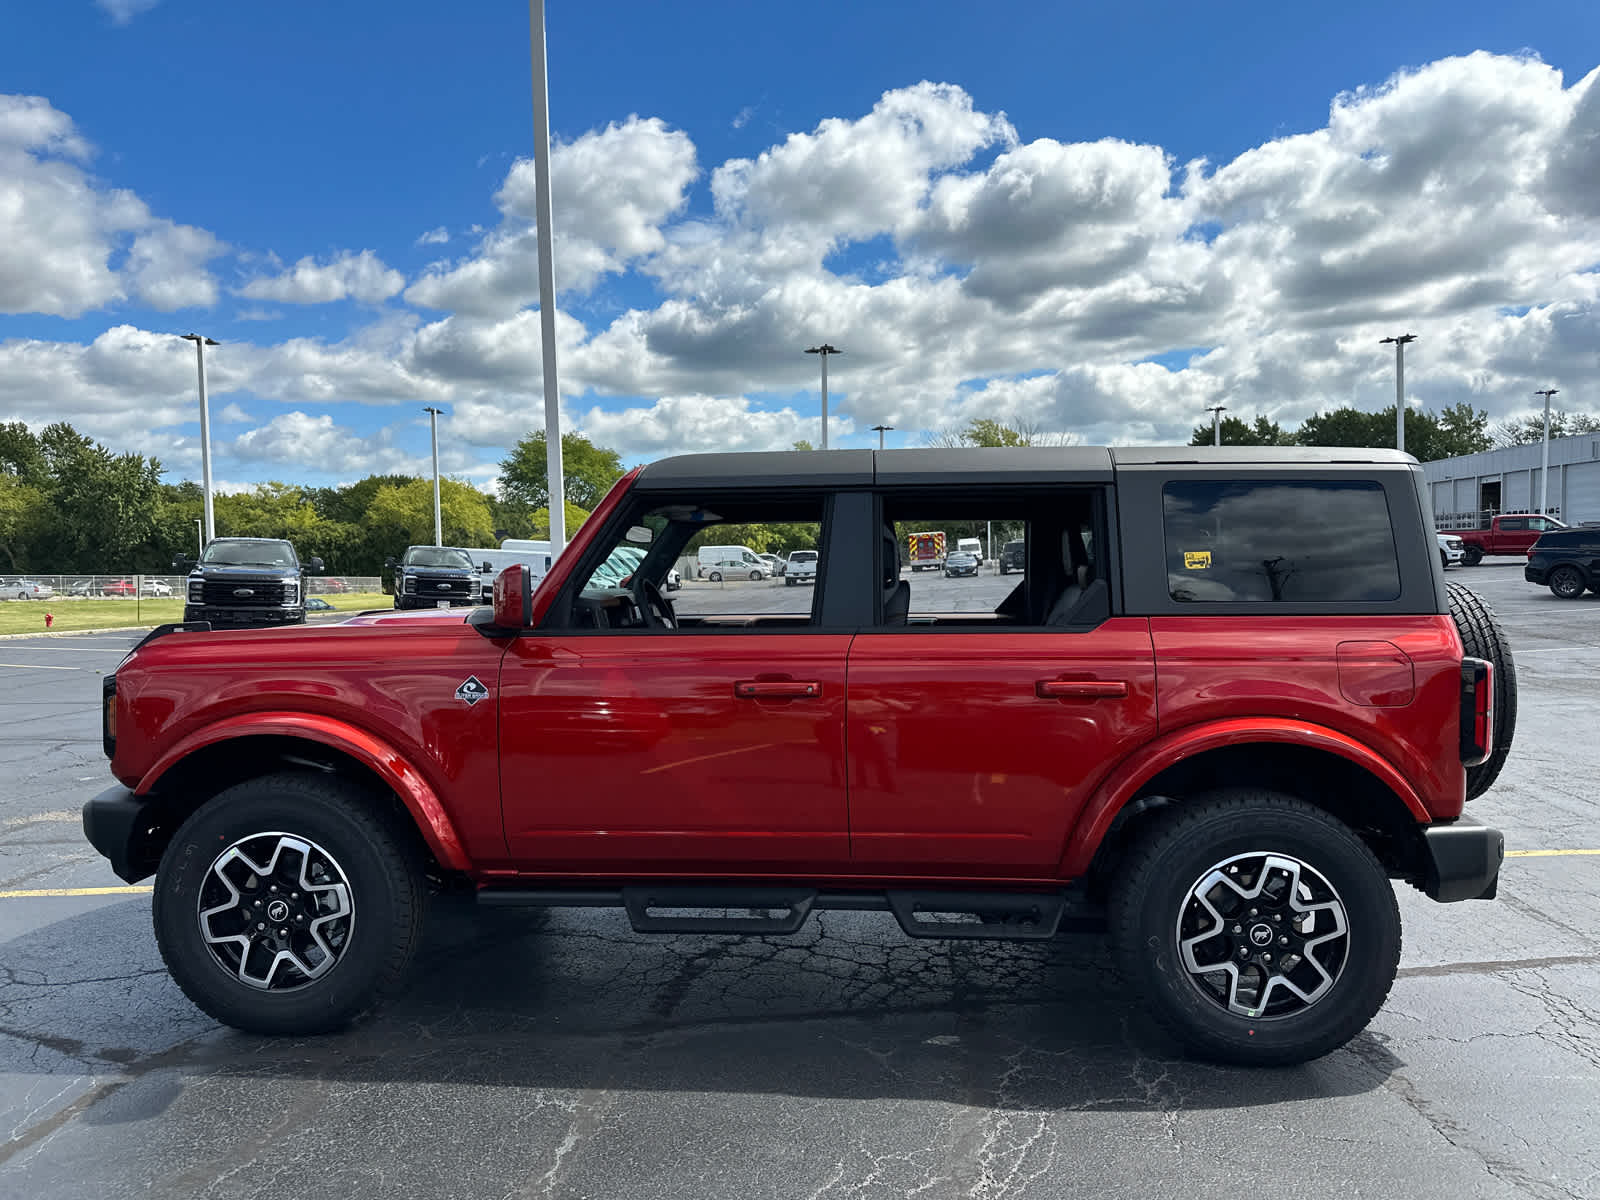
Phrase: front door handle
[1081,689]
[775,689]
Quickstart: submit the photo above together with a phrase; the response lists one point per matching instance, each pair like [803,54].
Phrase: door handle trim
[776,689]
[1081,689]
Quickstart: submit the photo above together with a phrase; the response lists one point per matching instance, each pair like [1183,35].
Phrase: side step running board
[1010,916]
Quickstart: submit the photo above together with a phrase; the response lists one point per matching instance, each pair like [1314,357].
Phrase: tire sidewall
[1566,573]
[1371,913]
[378,904]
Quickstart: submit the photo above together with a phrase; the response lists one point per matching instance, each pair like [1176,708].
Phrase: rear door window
[1293,542]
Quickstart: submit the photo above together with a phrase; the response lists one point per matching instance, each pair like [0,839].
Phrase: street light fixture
[1399,385]
[1216,411]
[880,430]
[433,425]
[823,351]
[200,344]
[1544,467]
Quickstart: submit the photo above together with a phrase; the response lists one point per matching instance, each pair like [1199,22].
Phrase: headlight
[291,593]
[410,584]
[197,592]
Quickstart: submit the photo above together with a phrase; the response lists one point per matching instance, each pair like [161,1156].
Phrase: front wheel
[287,906]
[1261,930]
[1444,560]
[1471,556]
[756,576]
[1566,581]
[715,577]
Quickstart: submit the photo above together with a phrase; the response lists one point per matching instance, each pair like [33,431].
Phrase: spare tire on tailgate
[1483,638]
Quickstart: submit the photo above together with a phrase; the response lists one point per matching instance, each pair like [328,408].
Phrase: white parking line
[40,667]
[71,649]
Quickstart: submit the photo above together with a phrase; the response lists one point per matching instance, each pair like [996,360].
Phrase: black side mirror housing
[390,562]
[486,568]
[316,565]
[181,563]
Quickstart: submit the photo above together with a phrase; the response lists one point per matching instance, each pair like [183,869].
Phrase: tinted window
[1507,523]
[1304,542]
[249,554]
[437,556]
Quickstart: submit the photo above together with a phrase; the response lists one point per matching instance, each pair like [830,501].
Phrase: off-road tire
[387,887]
[1482,637]
[1151,887]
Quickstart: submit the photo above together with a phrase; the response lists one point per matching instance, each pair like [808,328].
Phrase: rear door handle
[775,689]
[1081,689]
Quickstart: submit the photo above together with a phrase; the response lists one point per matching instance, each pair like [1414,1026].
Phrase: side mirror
[390,562]
[513,597]
[181,563]
[485,568]
[316,566]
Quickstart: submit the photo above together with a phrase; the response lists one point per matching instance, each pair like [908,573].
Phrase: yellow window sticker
[1196,560]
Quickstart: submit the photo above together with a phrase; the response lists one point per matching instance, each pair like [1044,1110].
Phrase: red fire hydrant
[49,620]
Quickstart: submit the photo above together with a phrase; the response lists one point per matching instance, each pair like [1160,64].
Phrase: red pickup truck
[1513,534]
[1187,722]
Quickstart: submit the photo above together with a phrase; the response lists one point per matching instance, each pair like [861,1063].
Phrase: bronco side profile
[1229,699]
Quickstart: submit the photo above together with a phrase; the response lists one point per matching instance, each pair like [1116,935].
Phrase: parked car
[1566,561]
[120,587]
[773,562]
[960,563]
[1513,534]
[674,580]
[801,567]
[730,562]
[1222,733]
[246,582]
[972,545]
[157,587]
[318,604]
[428,576]
[1451,549]
[335,586]
[1013,556]
[29,589]
[83,587]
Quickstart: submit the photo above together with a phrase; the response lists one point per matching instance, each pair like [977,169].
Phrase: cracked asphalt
[560,1054]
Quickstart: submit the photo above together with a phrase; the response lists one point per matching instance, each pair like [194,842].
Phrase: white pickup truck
[801,567]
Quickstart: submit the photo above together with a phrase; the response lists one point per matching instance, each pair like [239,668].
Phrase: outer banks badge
[472,691]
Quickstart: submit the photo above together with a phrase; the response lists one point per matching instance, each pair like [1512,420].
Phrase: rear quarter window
[1286,541]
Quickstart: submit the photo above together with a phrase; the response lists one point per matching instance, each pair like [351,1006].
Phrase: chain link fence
[14,587]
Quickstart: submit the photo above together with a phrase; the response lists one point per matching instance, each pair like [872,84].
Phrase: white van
[532,554]
[973,546]
[730,562]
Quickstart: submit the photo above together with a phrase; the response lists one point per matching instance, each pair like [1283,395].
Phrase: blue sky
[211,148]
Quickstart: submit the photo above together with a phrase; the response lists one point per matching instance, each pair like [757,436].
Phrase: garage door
[1583,493]
[1515,495]
[1465,502]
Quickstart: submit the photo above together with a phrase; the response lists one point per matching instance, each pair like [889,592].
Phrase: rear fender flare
[1128,777]
[421,801]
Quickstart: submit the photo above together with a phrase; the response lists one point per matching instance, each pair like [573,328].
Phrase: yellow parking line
[1546,853]
[30,893]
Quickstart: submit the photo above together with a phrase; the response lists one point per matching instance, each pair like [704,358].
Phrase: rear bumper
[1535,574]
[125,829]
[1461,862]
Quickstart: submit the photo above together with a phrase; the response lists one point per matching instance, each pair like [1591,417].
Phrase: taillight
[108,715]
[1477,711]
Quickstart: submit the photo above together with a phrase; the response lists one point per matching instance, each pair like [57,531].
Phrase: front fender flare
[421,801]
[1129,776]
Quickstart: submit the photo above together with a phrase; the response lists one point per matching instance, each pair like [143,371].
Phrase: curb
[61,633]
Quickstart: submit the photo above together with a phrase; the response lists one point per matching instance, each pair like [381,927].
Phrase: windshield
[249,554]
[437,556]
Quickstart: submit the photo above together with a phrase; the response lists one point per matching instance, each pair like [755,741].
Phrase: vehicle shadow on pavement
[848,1008]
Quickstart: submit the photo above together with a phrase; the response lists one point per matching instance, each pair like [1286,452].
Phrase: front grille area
[224,594]
[437,587]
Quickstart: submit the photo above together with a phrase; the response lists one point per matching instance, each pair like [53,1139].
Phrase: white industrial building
[1468,490]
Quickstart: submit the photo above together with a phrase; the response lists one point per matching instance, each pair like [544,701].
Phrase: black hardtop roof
[281,541]
[787,469]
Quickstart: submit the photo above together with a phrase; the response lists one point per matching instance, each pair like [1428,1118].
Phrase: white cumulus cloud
[361,277]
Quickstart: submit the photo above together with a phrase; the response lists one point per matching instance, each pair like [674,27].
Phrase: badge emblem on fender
[472,691]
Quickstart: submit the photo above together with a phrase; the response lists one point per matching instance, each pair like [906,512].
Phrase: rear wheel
[286,906]
[1482,637]
[1261,930]
[1566,581]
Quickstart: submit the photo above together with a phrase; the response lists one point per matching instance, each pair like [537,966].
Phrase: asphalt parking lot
[560,1054]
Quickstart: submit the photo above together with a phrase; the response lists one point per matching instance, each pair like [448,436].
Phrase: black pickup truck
[1567,561]
[246,582]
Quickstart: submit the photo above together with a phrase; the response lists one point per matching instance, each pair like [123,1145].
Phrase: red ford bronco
[1187,721]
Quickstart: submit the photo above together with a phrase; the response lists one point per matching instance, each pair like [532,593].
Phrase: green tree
[1237,432]
[538,522]
[102,506]
[803,444]
[1529,429]
[588,471]
[22,518]
[401,515]
[22,454]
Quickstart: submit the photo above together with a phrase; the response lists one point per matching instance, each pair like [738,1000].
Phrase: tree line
[1456,430]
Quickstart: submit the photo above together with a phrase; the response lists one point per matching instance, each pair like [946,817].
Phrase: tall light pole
[200,344]
[1399,385]
[1216,411]
[880,430]
[200,535]
[438,522]
[1544,465]
[823,351]
[556,482]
